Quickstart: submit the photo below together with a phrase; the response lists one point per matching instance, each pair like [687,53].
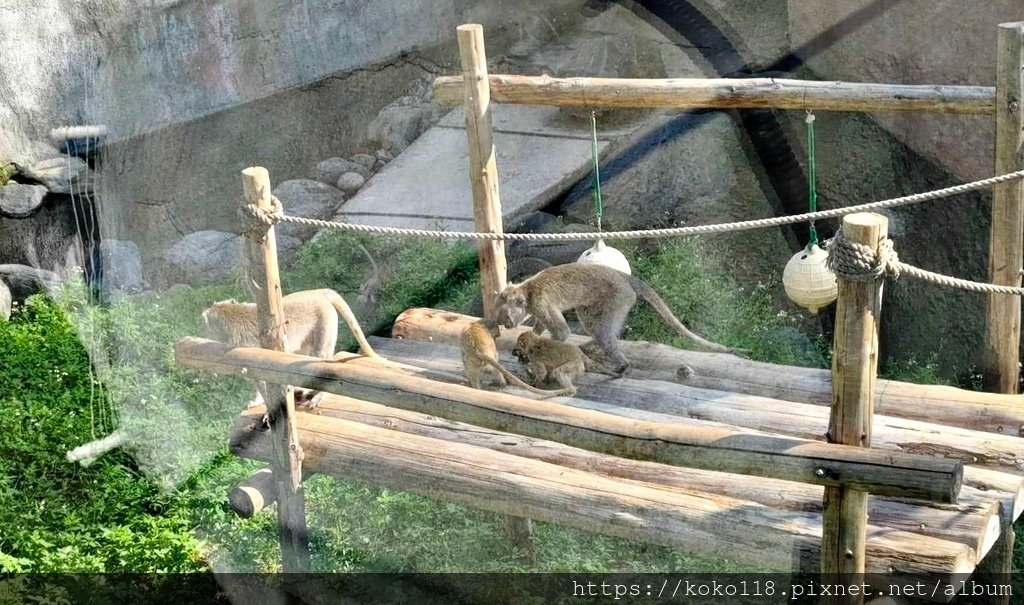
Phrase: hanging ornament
[807,279]
[601,253]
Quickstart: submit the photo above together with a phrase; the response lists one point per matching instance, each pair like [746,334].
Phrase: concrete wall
[912,42]
[138,67]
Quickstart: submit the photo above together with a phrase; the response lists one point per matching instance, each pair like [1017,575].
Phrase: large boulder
[5,302]
[401,122]
[205,256]
[23,281]
[21,201]
[331,169]
[309,199]
[55,170]
[122,266]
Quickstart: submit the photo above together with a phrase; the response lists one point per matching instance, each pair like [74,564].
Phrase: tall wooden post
[854,368]
[261,252]
[1006,240]
[483,169]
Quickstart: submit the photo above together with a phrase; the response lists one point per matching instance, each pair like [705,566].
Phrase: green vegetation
[6,172]
[163,508]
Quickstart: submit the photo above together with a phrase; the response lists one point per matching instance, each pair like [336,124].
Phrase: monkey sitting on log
[311,328]
[602,298]
[550,360]
[480,360]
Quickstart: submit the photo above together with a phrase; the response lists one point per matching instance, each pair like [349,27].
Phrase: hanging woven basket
[808,280]
[603,254]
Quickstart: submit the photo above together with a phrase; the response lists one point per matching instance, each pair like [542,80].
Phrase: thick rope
[279,216]
[858,262]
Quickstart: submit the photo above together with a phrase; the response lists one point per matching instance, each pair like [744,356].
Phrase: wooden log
[973,521]
[503,483]
[995,413]
[711,448]
[87,453]
[854,367]
[257,493]
[1006,236]
[483,168]
[672,403]
[261,252]
[726,93]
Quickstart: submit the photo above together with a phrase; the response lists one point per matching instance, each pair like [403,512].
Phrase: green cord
[598,207]
[812,178]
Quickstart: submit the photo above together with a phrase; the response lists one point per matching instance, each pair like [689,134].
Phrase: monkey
[480,360]
[559,362]
[311,328]
[602,298]
[369,290]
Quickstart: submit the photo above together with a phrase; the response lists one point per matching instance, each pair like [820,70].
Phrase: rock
[5,302]
[554,252]
[383,155]
[20,201]
[401,122]
[57,173]
[308,199]
[331,169]
[287,248]
[205,256]
[365,160]
[122,266]
[533,222]
[350,182]
[24,281]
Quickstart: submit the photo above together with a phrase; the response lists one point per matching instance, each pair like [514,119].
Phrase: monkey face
[512,310]
[523,345]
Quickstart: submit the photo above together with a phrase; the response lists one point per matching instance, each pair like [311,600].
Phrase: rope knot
[253,214]
[858,262]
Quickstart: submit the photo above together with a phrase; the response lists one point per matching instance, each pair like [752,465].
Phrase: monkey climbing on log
[550,360]
[602,298]
[480,361]
[311,328]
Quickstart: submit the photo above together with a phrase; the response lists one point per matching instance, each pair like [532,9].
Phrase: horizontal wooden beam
[990,412]
[726,93]
[709,448]
[740,530]
[973,521]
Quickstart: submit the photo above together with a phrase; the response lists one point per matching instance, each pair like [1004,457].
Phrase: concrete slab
[541,120]
[427,185]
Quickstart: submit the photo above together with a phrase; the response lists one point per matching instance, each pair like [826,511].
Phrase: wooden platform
[761,521]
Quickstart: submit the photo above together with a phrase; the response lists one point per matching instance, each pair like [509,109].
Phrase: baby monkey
[560,362]
[480,360]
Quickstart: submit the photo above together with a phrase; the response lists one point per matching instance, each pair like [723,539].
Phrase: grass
[163,508]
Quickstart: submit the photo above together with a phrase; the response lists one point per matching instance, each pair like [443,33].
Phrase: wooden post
[483,169]
[1006,240]
[854,366]
[261,252]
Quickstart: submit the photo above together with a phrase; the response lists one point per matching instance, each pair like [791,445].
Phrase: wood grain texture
[265,280]
[513,485]
[726,93]
[973,521]
[707,447]
[483,168]
[936,404]
[854,369]
[1006,239]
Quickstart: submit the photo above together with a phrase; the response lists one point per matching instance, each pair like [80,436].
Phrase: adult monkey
[311,327]
[602,298]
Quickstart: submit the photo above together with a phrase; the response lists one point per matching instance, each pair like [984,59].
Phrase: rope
[277,215]
[812,178]
[598,205]
[861,263]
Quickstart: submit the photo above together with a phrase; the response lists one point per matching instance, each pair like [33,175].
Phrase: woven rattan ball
[808,281]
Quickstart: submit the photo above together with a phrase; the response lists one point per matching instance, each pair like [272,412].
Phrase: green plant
[6,172]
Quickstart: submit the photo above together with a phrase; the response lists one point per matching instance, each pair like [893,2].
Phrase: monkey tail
[647,293]
[350,319]
[512,378]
